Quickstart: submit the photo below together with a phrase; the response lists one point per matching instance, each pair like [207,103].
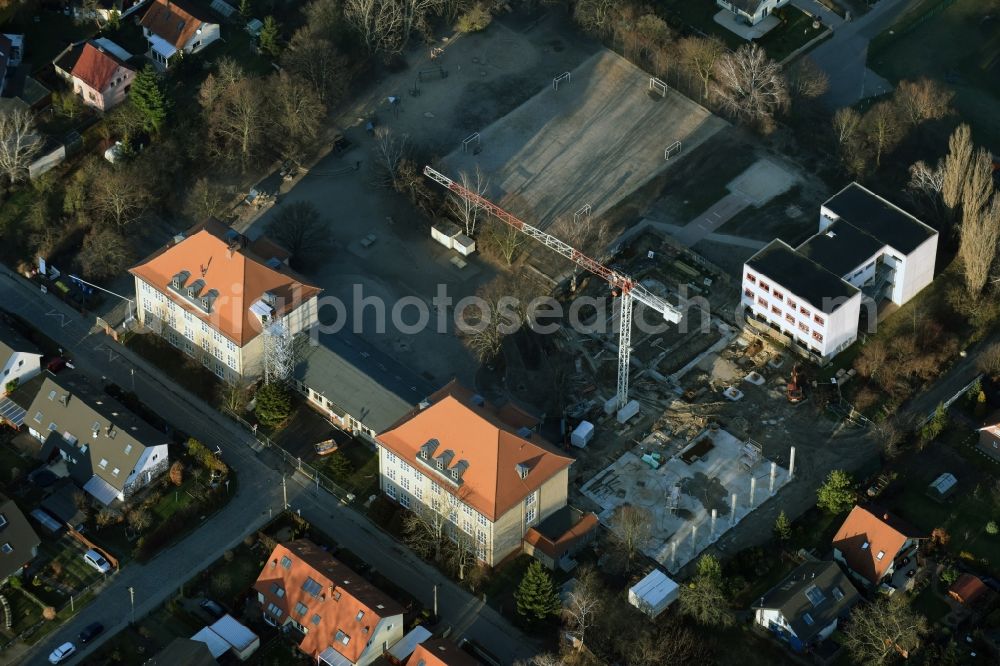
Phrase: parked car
[212,608]
[62,653]
[96,560]
[90,632]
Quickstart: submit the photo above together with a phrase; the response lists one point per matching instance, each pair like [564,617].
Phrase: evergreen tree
[836,495]
[536,596]
[148,98]
[270,37]
[245,9]
[273,404]
[783,527]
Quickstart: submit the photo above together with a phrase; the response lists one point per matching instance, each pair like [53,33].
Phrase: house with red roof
[481,468]
[175,28]
[338,617]
[877,548]
[440,652]
[212,293]
[98,71]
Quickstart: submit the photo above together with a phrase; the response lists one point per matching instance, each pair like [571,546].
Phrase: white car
[94,559]
[62,653]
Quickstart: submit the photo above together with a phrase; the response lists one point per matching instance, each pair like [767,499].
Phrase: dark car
[212,608]
[90,632]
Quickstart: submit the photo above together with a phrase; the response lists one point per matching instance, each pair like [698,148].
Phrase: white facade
[19,366]
[763,9]
[769,618]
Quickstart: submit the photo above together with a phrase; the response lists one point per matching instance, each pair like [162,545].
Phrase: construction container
[582,435]
[654,593]
[463,245]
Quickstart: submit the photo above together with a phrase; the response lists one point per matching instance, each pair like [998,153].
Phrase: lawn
[363,479]
[68,552]
[794,32]
[970,65]
[24,611]
[45,38]
[181,368]
[703,193]
[930,605]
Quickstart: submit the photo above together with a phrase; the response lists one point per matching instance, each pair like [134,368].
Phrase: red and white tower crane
[627,288]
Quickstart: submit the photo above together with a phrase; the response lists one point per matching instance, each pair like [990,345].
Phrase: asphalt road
[260,493]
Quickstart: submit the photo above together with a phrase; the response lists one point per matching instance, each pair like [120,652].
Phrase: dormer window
[454,474]
[522,470]
[440,464]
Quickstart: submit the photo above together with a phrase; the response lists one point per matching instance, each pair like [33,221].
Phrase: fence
[293,462]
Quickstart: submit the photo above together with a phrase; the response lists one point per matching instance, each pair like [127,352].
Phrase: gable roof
[967,588]
[440,652]
[96,66]
[17,535]
[865,534]
[456,420]
[75,407]
[343,601]
[174,21]
[11,341]
[219,256]
[811,597]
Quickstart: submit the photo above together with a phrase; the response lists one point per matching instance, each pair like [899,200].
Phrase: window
[467,526]
[7,549]
[751,278]
[274,610]
[436,504]
[803,327]
[452,500]
[466,509]
[817,336]
[360,615]
[761,302]
[766,287]
[103,464]
[342,638]
[440,465]
[779,295]
[481,536]
[790,319]
[775,310]
[880,555]
[819,320]
[748,293]
[286,562]
[791,304]
[336,595]
[115,472]
[808,619]
[311,587]
[453,516]
[390,490]
[804,311]
[405,482]
[277,590]
[391,457]
[529,517]
[315,620]
[404,499]
[38,417]
[482,519]
[418,492]
[300,609]
[530,499]
[391,474]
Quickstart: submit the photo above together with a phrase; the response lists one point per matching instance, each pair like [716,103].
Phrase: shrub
[949,575]
[477,18]
[49,613]
[228,555]
[992,528]
[177,473]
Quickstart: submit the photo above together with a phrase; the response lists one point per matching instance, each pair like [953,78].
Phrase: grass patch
[970,65]
[795,31]
[181,368]
[930,605]
[25,613]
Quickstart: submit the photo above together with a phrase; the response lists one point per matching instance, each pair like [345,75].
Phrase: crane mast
[628,288]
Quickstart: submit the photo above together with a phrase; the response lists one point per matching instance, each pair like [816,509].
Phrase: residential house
[440,652]
[556,539]
[357,387]
[877,549]
[18,542]
[479,466]
[108,450]
[339,618]
[989,437]
[815,297]
[211,293]
[751,12]
[105,8]
[183,651]
[98,71]
[19,360]
[174,27]
[804,608]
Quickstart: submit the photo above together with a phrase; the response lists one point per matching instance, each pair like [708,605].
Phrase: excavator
[793,391]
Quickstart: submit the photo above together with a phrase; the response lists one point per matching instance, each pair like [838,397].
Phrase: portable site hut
[582,435]
[653,593]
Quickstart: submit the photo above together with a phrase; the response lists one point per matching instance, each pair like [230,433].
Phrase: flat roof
[880,218]
[841,248]
[800,275]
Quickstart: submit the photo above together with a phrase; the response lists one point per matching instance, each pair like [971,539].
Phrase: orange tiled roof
[967,588]
[881,532]
[476,434]
[172,21]
[240,277]
[440,652]
[96,67]
[341,596]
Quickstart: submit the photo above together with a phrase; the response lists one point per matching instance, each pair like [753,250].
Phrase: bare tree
[298,115]
[542,659]
[236,113]
[105,254]
[890,433]
[596,16]
[388,152]
[316,60]
[846,125]
[205,200]
[924,188]
[503,303]
[806,80]
[139,519]
[424,531]
[882,129]
[872,360]
[978,238]
[699,56]
[632,527]
[120,196]
[704,599]
[589,235]
[504,239]
[922,100]
[462,552]
[300,229]
[465,211]
[989,360]
[19,143]
[956,166]
[583,604]
[751,86]
[385,25]
[882,631]
[978,185]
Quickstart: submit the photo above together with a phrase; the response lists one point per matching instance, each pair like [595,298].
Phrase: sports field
[594,140]
[957,43]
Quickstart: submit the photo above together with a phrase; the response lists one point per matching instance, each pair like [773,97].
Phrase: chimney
[885,516]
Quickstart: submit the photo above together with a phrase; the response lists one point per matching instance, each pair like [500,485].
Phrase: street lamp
[131,596]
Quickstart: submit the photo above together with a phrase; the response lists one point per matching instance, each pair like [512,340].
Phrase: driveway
[818,9]
[844,56]
[259,495]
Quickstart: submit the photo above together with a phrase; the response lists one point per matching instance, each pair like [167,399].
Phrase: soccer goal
[584,213]
[672,150]
[565,76]
[657,86]
[471,140]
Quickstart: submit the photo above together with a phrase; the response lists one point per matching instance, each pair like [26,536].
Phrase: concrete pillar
[732,511]
[774,474]
[673,554]
[715,515]
[791,464]
[694,539]
[753,489]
